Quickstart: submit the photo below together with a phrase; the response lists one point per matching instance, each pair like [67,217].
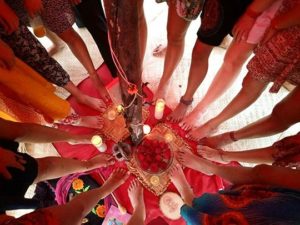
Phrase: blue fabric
[259,205]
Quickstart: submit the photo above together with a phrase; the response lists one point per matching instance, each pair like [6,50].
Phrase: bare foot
[92,102]
[211,154]
[95,122]
[100,87]
[200,132]
[101,160]
[188,122]
[216,141]
[136,196]
[190,160]
[179,112]
[160,50]
[179,180]
[118,177]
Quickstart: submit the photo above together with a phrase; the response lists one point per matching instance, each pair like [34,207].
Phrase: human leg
[143,31]
[249,93]
[198,70]
[176,29]
[236,55]
[136,196]
[281,118]
[92,15]
[54,167]
[179,180]
[82,98]
[74,211]
[57,44]
[79,49]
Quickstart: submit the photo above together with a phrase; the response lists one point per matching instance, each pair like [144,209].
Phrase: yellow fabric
[34,90]
[5,116]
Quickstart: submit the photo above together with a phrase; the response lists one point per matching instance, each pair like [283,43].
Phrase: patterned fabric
[287,152]
[245,205]
[189,9]
[279,59]
[58,15]
[31,51]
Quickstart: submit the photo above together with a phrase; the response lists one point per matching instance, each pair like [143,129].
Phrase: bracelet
[232,137]
[249,12]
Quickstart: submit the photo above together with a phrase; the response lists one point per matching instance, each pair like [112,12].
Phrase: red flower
[132,89]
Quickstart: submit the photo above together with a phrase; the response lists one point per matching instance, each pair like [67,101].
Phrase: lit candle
[111,114]
[120,108]
[146,129]
[168,137]
[96,140]
[98,143]
[159,109]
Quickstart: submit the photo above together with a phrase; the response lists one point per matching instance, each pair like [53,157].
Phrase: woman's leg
[79,49]
[74,211]
[197,73]
[143,31]
[84,99]
[93,17]
[136,196]
[179,180]
[281,118]
[249,93]
[54,167]
[235,57]
[176,29]
[57,44]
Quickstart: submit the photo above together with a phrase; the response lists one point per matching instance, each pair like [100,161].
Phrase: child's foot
[102,160]
[136,196]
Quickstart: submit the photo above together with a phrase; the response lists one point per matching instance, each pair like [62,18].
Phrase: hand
[8,19]
[242,28]
[10,159]
[33,7]
[75,2]
[7,56]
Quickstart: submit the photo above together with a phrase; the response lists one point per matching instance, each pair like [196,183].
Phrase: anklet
[232,137]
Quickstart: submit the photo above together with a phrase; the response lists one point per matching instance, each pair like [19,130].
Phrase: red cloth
[199,182]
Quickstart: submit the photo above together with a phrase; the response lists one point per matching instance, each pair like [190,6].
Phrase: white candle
[159,109]
[96,140]
[146,129]
[98,143]
[102,148]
